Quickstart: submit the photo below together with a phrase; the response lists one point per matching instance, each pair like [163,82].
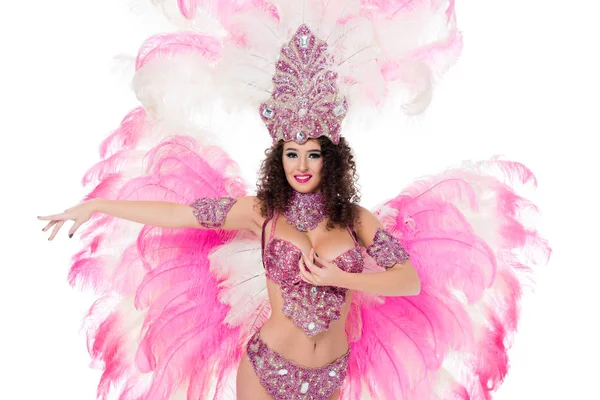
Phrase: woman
[293,175]
[185,312]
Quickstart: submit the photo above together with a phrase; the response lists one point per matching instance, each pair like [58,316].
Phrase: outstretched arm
[224,213]
[400,277]
[207,213]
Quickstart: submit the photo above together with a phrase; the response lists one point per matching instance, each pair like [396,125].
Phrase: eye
[291,155]
[314,155]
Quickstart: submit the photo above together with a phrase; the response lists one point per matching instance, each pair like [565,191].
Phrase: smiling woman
[303,162]
[317,164]
[297,293]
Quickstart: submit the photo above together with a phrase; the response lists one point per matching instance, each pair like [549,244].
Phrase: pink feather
[158,312]
[451,340]
[168,45]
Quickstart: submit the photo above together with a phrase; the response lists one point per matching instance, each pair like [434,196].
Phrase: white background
[526,87]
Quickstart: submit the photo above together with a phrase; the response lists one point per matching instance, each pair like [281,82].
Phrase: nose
[303,167]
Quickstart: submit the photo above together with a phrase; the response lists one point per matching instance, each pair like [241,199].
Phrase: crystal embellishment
[284,371]
[311,326]
[300,137]
[304,387]
[332,373]
[268,112]
[304,41]
[339,110]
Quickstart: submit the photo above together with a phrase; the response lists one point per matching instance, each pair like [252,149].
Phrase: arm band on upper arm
[386,250]
[211,212]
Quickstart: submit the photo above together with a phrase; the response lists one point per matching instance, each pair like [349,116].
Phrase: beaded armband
[386,250]
[211,212]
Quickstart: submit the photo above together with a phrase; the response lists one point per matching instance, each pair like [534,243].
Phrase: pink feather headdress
[306,66]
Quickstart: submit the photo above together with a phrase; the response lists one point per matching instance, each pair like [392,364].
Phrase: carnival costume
[179,307]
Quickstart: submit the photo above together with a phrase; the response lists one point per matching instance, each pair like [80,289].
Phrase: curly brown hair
[338,182]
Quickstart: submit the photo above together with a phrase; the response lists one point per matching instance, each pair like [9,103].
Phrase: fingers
[75,226]
[58,220]
[49,225]
[58,217]
[318,261]
[56,229]
[304,274]
[309,264]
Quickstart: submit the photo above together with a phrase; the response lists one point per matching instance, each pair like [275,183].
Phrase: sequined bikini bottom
[286,380]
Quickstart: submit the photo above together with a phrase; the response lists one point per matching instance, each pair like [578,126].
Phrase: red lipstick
[302,178]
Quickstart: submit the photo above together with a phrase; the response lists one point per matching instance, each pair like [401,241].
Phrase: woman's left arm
[400,277]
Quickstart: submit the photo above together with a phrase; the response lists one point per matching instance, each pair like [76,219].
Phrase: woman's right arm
[222,213]
[234,214]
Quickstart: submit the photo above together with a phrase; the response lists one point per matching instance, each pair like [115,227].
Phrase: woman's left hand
[320,272]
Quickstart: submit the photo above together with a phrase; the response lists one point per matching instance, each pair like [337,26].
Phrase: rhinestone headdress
[304,103]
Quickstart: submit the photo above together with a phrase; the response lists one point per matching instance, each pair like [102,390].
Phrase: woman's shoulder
[363,215]
[366,224]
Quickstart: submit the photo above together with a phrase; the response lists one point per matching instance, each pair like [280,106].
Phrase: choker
[305,210]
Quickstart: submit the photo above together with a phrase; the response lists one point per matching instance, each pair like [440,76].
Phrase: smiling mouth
[302,178]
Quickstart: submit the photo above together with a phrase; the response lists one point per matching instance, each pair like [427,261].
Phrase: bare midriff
[281,334]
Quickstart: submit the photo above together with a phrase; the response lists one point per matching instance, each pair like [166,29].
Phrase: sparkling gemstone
[303,41]
[300,136]
[302,112]
[304,387]
[313,290]
[340,109]
[268,112]
[282,372]
[311,326]
[332,373]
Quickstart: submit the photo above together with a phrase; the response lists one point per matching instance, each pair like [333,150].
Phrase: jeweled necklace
[305,210]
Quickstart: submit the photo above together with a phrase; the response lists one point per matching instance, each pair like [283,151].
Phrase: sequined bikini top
[312,308]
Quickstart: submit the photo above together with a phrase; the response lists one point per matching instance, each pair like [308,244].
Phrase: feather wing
[468,235]
[163,324]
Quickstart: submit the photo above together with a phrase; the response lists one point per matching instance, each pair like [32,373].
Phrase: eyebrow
[294,149]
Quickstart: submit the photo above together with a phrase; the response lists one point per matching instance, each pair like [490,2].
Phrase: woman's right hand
[80,214]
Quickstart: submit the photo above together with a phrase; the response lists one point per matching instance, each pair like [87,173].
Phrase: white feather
[244,79]
[177,90]
[335,13]
[244,288]
[292,14]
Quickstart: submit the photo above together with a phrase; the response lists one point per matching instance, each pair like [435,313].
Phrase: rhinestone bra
[312,308]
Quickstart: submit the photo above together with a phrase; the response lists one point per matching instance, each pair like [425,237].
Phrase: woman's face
[302,164]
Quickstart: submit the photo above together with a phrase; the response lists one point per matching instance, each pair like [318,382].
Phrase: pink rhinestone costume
[305,210]
[211,213]
[312,308]
[285,380]
[386,250]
